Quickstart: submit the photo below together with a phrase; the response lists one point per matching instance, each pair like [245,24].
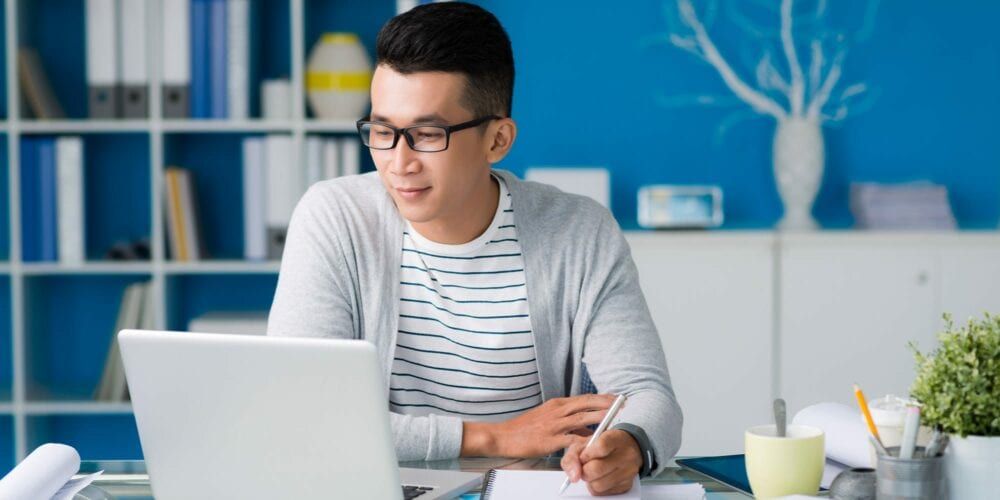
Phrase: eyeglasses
[423,138]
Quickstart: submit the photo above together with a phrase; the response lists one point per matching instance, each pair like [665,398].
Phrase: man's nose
[404,158]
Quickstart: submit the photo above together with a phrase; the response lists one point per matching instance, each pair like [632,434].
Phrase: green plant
[959,384]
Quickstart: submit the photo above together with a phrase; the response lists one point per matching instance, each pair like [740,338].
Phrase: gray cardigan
[340,278]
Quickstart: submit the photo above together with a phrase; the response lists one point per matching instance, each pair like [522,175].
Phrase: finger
[570,462]
[622,487]
[580,420]
[587,402]
[602,448]
[582,432]
[601,475]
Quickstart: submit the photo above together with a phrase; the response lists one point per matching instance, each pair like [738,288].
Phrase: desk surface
[127,480]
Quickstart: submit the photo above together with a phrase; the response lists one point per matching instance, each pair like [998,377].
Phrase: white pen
[910,429]
[617,405]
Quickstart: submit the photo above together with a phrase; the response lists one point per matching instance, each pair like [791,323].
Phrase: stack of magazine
[136,311]
[916,205]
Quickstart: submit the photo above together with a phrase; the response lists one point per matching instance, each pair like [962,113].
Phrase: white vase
[972,466]
[338,77]
[798,169]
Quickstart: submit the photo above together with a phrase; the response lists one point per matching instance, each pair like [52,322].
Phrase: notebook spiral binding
[488,484]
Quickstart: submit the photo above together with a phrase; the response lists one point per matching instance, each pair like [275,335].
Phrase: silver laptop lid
[235,416]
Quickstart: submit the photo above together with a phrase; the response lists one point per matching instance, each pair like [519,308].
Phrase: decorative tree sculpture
[800,103]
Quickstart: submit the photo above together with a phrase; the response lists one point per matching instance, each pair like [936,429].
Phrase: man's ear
[499,138]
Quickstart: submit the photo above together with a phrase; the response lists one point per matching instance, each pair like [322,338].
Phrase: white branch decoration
[755,99]
[806,99]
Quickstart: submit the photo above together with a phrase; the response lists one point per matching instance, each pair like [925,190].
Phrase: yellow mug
[790,465]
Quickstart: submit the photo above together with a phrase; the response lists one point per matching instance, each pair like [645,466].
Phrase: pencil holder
[919,478]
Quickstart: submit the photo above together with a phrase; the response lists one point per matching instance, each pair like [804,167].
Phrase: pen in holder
[919,478]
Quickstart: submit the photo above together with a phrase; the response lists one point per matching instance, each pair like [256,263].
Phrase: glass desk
[127,480]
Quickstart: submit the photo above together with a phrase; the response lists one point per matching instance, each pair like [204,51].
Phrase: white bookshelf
[22,401]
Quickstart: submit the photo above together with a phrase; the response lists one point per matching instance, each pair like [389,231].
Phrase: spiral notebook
[520,484]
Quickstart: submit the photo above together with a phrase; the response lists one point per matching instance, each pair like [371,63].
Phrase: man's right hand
[545,429]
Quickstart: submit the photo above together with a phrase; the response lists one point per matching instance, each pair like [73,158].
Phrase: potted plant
[959,388]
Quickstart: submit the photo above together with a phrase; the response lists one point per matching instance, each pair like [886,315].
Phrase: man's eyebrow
[431,118]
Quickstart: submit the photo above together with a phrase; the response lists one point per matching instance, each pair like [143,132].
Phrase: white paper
[846,438]
[41,474]
[687,491]
[519,484]
[73,486]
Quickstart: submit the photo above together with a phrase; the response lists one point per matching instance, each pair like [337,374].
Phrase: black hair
[454,37]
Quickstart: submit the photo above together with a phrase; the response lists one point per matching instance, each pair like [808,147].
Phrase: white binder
[238,59]
[134,66]
[103,69]
[176,46]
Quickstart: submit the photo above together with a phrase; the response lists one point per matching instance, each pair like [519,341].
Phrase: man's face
[428,186]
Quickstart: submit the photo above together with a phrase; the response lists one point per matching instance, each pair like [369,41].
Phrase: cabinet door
[711,297]
[970,279]
[848,310]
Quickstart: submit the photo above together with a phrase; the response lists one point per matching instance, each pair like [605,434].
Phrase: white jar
[338,77]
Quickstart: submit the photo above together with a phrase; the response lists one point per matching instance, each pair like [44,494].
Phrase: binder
[103,68]
[350,156]
[176,47]
[314,160]
[200,90]
[47,199]
[284,186]
[238,70]
[134,67]
[218,87]
[331,158]
[254,199]
[31,196]
[70,220]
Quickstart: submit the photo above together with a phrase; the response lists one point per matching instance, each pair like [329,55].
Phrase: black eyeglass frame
[405,132]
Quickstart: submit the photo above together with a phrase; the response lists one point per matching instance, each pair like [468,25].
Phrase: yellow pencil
[864,410]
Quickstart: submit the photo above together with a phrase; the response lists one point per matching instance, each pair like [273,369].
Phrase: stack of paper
[46,473]
[136,311]
[232,322]
[918,205]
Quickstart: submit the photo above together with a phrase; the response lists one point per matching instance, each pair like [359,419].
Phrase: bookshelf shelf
[249,126]
[103,268]
[36,127]
[221,267]
[76,408]
[57,320]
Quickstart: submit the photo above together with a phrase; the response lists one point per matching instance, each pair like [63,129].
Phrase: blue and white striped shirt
[465,346]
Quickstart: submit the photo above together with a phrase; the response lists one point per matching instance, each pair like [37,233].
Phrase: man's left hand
[608,466]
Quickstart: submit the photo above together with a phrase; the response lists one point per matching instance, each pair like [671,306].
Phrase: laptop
[251,417]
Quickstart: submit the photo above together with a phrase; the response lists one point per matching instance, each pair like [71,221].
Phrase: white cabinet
[848,308]
[747,316]
[711,297]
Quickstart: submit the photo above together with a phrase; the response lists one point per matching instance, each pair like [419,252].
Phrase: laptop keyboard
[414,491]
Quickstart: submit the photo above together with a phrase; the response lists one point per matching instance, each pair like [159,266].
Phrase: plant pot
[338,78]
[798,157]
[972,467]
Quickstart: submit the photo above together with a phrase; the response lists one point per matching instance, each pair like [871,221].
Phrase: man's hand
[552,426]
[608,466]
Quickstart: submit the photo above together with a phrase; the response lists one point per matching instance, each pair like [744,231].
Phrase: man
[488,298]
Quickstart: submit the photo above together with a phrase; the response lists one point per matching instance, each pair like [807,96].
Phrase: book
[42,101]
[134,303]
[254,199]
[103,65]
[331,158]
[183,231]
[350,156]
[517,484]
[314,160]
[70,192]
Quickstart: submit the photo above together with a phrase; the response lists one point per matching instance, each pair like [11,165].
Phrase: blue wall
[588,81]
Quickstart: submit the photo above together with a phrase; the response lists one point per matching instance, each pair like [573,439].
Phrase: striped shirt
[465,346]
